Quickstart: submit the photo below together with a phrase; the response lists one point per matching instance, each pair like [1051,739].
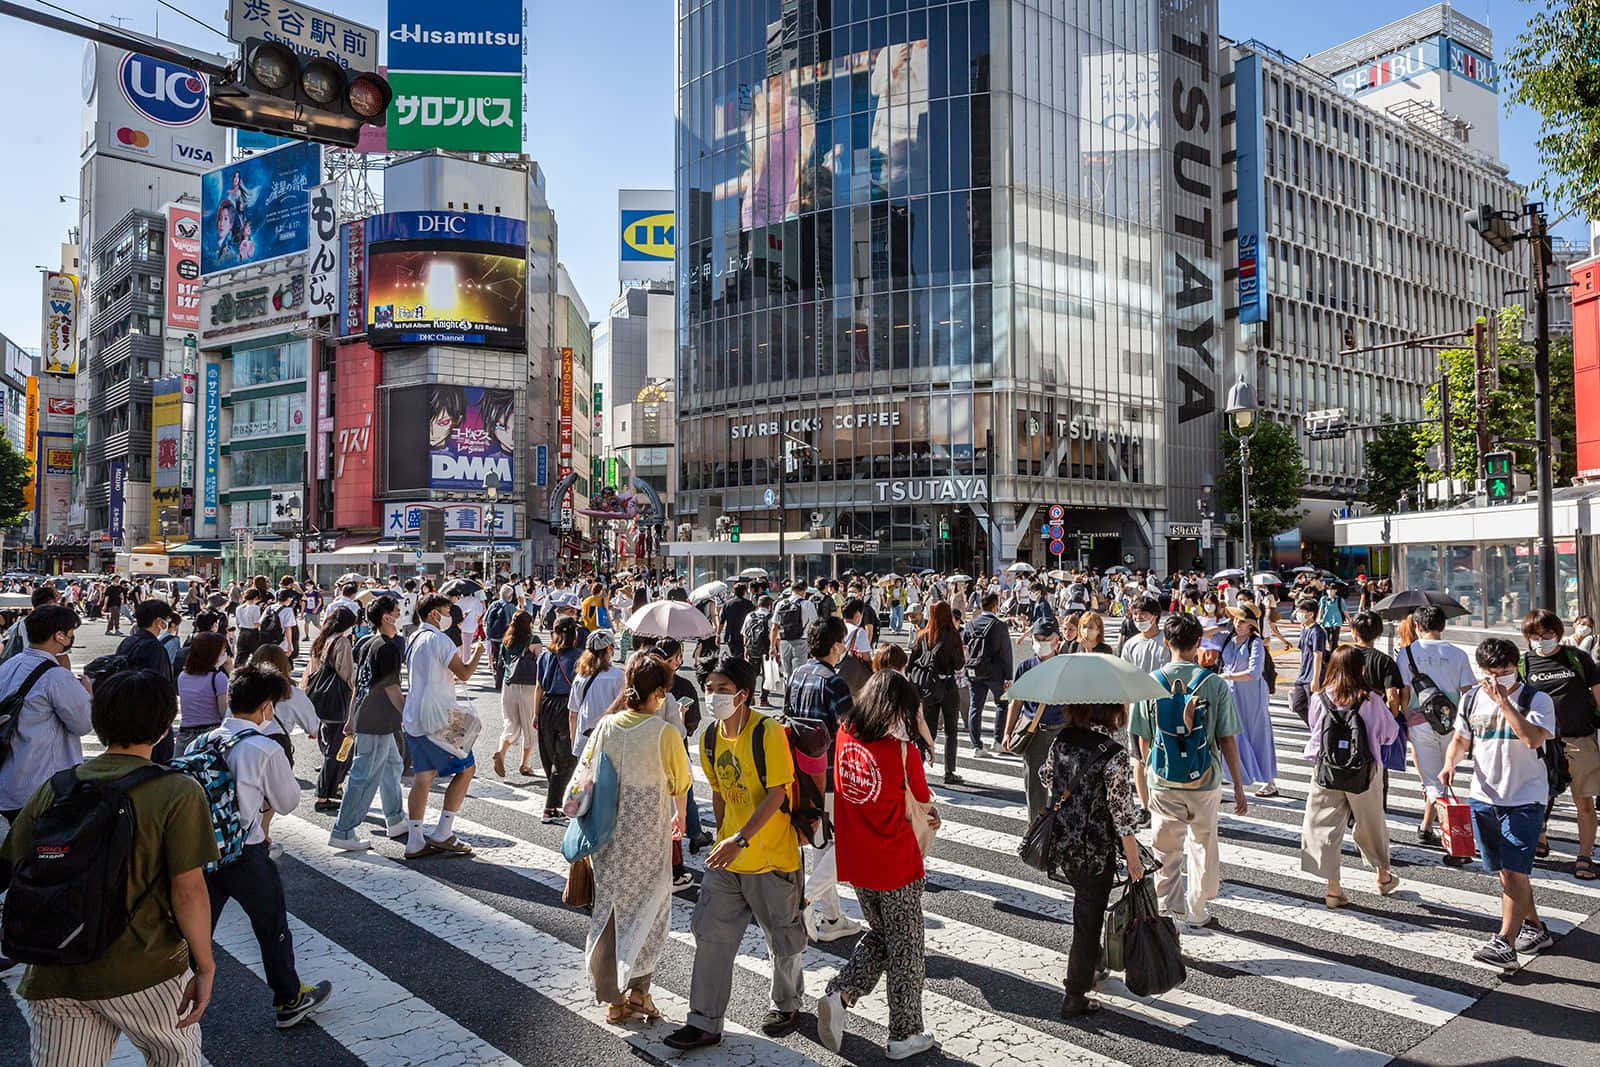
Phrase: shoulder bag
[922,817]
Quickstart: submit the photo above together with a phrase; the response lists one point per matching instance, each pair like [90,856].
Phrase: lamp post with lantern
[1241,412]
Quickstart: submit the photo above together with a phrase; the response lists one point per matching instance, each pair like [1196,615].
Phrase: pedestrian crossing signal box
[1499,480]
[733,533]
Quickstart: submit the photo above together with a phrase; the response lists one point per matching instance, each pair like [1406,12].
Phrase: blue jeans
[376,767]
[897,617]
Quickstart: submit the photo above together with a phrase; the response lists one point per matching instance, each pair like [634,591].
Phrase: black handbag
[1034,849]
[1153,960]
[329,693]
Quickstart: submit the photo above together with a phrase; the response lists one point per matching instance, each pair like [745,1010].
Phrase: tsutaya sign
[931,491]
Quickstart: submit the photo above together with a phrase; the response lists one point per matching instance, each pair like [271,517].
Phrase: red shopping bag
[1455,826]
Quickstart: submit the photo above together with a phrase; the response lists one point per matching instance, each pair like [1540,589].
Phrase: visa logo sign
[197,155]
[647,235]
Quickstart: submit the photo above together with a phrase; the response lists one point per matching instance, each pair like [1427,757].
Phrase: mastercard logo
[133,138]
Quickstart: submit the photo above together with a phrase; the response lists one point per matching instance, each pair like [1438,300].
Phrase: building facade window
[269,364]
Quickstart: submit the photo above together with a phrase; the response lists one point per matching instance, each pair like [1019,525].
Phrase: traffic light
[944,528]
[1497,477]
[273,90]
[1493,226]
[733,532]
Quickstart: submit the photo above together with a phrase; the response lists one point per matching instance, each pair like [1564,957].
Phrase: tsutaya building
[953,277]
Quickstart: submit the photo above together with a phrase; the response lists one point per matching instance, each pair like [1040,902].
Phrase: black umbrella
[1403,603]
[461,587]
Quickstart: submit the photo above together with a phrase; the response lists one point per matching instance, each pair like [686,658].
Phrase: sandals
[643,1004]
[618,1013]
[500,764]
[1268,790]
[1337,900]
[1543,850]
[1583,869]
[1387,887]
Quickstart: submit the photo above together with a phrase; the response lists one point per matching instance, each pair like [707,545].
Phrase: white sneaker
[398,830]
[834,929]
[830,1021]
[348,844]
[809,918]
[911,1046]
[1197,922]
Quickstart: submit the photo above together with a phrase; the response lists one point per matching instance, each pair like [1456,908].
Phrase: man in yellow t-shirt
[595,616]
[753,871]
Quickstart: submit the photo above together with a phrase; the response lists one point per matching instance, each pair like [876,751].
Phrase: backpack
[1181,753]
[11,709]
[1438,709]
[1345,761]
[977,650]
[1269,669]
[754,634]
[808,747]
[68,899]
[1574,659]
[1082,840]
[207,763]
[824,604]
[270,627]
[791,619]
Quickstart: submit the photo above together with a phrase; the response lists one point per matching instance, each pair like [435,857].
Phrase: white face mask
[1507,682]
[721,706]
[1546,646]
[1581,631]
[1042,649]
[1303,616]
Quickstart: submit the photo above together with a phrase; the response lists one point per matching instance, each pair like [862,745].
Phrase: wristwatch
[742,841]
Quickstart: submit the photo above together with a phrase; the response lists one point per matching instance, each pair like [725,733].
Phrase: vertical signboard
[646,230]
[210,456]
[353,279]
[119,478]
[599,406]
[183,270]
[77,515]
[30,439]
[354,458]
[1191,229]
[541,466]
[58,335]
[456,72]
[564,452]
[55,484]
[322,262]
[166,445]
[1250,127]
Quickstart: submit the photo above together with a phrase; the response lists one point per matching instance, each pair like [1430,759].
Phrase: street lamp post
[491,491]
[1241,413]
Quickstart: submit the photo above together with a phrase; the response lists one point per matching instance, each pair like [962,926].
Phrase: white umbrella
[961,577]
[1059,576]
[1020,567]
[1265,578]
[1229,574]
[352,576]
[670,618]
[752,572]
[1085,678]
[707,591]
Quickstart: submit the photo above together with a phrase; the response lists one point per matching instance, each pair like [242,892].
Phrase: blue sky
[600,95]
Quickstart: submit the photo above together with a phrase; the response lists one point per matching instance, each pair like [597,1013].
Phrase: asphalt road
[476,961]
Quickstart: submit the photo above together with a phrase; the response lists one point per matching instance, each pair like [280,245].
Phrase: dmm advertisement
[256,209]
[471,431]
[446,278]
[183,269]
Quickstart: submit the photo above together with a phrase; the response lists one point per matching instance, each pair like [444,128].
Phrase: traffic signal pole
[105,35]
[1539,245]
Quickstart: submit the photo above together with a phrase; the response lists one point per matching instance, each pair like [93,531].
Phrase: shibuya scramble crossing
[786,532]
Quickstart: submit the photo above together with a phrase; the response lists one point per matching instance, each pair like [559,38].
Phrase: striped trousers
[83,1033]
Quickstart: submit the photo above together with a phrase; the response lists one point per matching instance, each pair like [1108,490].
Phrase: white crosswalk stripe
[1279,979]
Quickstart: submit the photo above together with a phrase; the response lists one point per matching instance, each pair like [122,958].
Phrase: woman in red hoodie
[878,852]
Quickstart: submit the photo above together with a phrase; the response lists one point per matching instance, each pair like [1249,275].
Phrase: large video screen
[440,296]
[471,432]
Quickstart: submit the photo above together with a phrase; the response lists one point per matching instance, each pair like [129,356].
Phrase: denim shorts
[427,756]
[1507,837]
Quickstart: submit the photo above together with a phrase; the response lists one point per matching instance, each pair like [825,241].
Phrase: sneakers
[780,1023]
[911,1046]
[1498,952]
[352,843]
[310,999]
[683,879]
[830,1021]
[978,749]
[1197,922]
[397,832]
[1533,938]
[833,929]
[688,1037]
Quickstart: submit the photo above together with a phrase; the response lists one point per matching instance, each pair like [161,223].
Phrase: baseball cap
[599,641]
[1046,627]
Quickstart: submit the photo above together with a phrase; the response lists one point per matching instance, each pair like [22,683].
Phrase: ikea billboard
[645,250]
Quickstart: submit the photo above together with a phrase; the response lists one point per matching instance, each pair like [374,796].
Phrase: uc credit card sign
[647,236]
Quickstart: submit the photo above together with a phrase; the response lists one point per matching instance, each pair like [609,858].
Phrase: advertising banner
[55,507]
[256,209]
[1413,61]
[458,112]
[354,458]
[483,36]
[166,425]
[306,30]
[183,269]
[58,337]
[471,431]
[80,449]
[541,466]
[599,407]
[59,409]
[1250,169]
[30,440]
[404,520]
[148,110]
[239,309]
[446,278]
[322,265]
[646,231]
[352,279]
[119,477]
[211,452]
[564,440]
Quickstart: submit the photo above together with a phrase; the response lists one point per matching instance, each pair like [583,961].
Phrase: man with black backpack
[790,619]
[1183,740]
[114,959]
[987,640]
[496,621]
[757,635]
[44,710]
[1572,681]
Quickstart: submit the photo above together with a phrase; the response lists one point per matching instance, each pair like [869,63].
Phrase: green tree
[1277,477]
[1510,405]
[1394,465]
[1552,70]
[15,470]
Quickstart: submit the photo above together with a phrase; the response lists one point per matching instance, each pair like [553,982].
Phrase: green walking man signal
[1498,477]
[733,533]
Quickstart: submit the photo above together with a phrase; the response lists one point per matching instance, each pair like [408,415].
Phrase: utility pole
[990,556]
[1539,246]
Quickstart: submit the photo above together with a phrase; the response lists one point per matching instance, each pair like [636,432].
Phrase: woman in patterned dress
[633,870]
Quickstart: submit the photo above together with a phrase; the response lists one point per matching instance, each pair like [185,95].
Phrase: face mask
[1581,631]
[1042,649]
[1303,616]
[720,706]
[1146,625]
[1546,646]
[1507,682]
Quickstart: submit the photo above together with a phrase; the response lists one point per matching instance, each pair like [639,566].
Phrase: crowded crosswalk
[476,960]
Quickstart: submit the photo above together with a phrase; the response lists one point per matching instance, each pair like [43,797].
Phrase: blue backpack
[1181,753]
[207,763]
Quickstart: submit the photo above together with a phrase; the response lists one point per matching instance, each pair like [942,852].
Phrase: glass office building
[951,263]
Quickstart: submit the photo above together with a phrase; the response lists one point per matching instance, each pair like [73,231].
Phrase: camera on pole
[274,90]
